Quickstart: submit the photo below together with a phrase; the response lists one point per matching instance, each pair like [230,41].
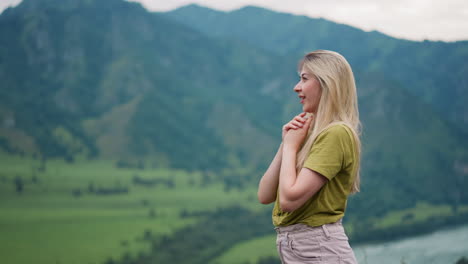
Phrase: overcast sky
[411,19]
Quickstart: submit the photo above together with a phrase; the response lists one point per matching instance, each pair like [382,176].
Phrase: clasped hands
[295,131]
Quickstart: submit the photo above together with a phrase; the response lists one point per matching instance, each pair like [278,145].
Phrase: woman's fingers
[293,125]
[289,126]
[300,119]
[296,123]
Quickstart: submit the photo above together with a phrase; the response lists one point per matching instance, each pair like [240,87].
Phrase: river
[444,246]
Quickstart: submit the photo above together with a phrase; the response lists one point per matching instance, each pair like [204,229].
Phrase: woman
[317,164]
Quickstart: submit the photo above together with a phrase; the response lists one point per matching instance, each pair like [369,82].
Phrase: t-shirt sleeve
[327,153]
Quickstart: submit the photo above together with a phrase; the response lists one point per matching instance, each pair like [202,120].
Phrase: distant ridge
[435,71]
[109,80]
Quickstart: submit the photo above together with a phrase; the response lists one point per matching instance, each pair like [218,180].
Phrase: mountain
[402,133]
[126,83]
[409,151]
[106,79]
[437,72]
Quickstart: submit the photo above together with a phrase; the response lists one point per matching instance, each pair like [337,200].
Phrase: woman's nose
[297,88]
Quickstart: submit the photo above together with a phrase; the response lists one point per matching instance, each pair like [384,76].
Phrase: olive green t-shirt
[333,155]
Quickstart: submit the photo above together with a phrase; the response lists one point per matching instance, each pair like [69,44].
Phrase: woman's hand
[295,131]
[297,122]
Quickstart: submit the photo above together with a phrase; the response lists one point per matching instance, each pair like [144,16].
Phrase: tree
[19,184]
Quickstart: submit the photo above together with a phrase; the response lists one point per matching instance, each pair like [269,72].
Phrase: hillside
[437,72]
[117,91]
[145,90]
[138,86]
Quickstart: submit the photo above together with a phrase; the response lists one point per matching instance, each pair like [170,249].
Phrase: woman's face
[309,91]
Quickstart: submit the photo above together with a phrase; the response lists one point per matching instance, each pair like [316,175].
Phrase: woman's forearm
[295,188]
[288,173]
[268,186]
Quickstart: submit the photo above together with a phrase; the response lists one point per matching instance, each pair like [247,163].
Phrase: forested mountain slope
[109,80]
[435,71]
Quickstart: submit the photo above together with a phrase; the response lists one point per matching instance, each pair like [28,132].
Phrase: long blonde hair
[338,102]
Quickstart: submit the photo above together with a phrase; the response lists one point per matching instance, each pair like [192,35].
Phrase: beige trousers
[326,244]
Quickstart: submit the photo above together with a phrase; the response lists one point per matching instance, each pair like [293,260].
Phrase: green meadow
[250,251]
[59,215]
[57,219]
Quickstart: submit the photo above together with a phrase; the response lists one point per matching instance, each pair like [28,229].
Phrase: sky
[445,20]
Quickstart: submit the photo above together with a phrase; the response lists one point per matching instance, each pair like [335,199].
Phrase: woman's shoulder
[336,130]
[338,137]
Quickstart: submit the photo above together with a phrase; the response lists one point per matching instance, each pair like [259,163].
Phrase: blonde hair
[338,102]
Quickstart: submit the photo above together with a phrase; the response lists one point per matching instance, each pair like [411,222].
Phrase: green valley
[128,136]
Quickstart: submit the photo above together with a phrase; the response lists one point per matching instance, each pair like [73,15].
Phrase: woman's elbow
[264,199]
[287,206]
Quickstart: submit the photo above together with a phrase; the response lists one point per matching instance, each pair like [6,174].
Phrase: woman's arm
[268,185]
[295,190]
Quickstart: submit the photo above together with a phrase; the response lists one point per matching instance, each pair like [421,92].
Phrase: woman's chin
[306,109]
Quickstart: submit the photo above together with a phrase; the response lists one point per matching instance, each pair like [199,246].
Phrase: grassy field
[56,218]
[419,213]
[249,251]
[252,250]
[46,223]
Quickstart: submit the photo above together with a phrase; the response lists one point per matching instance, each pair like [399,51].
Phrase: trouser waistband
[331,228]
